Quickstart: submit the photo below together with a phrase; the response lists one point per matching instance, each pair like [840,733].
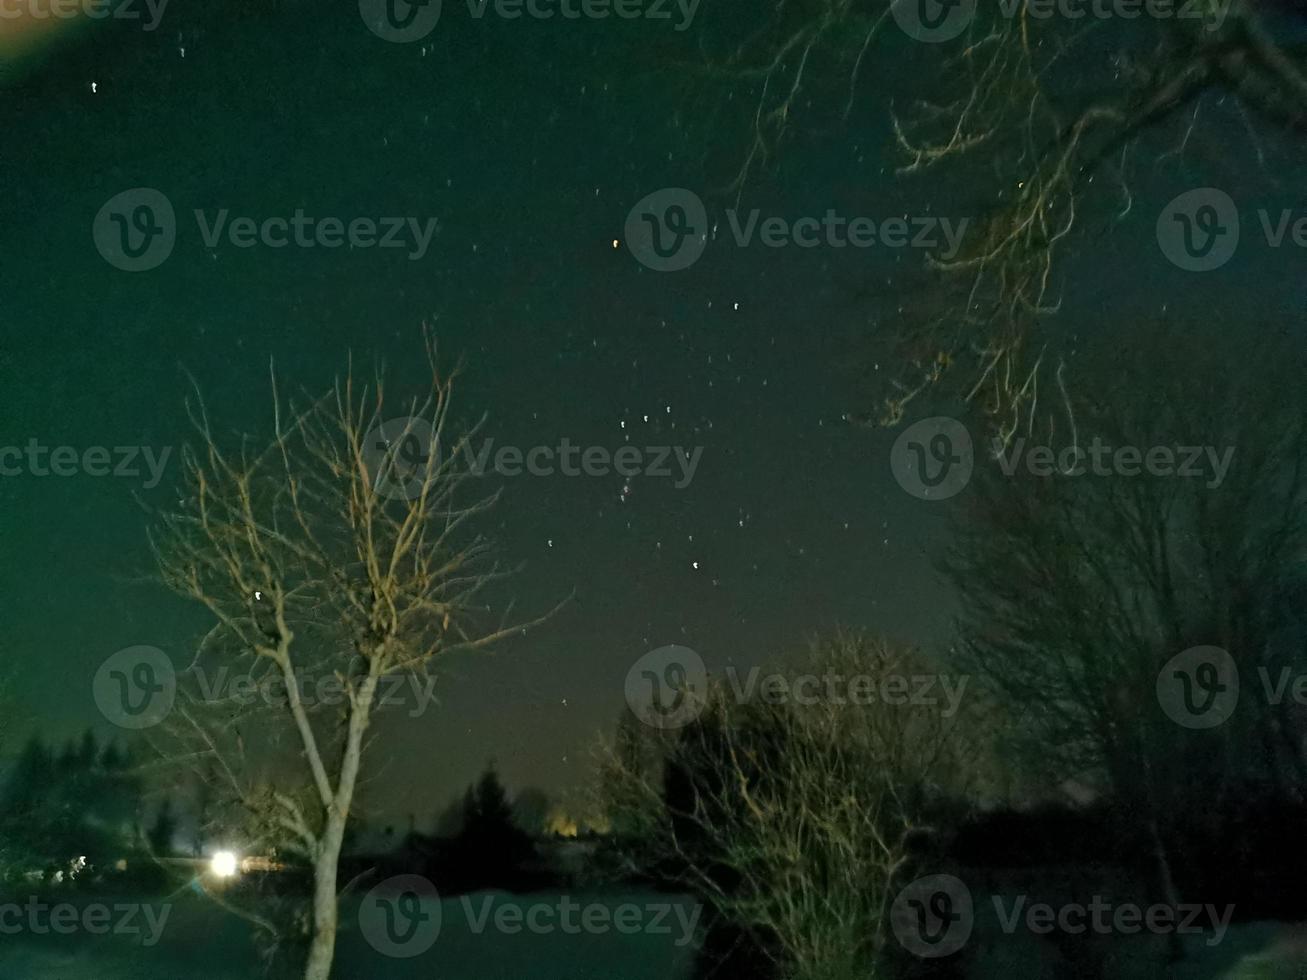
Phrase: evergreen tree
[162,831]
[492,806]
[490,838]
[29,781]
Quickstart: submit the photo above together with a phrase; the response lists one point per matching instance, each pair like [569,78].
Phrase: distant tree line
[483,839]
[73,814]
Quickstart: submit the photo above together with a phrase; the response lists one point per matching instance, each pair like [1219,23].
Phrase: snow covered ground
[201,942]
[1256,951]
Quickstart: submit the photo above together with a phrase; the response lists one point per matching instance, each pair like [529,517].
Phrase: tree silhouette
[343,548]
[163,829]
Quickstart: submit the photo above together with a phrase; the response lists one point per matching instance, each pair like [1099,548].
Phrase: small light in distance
[224,864]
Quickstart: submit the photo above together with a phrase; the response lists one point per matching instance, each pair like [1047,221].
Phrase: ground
[201,942]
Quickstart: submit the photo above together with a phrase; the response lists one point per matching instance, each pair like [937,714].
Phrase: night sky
[528,142]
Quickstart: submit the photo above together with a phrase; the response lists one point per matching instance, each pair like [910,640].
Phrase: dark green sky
[529,142]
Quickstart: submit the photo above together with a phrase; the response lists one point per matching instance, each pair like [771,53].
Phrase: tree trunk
[1174,942]
[325,910]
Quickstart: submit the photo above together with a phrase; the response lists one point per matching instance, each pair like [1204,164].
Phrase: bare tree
[794,817]
[1077,589]
[1045,122]
[335,554]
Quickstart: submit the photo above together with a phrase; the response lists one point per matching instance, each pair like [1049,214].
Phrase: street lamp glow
[224,864]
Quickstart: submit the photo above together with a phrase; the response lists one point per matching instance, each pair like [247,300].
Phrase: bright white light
[224,864]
